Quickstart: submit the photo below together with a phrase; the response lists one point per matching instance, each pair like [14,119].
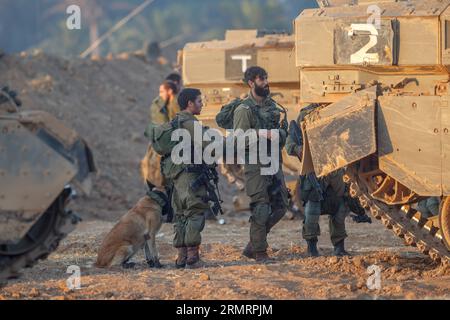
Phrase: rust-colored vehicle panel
[343,132]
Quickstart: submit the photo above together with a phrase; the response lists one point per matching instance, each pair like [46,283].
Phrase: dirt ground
[405,273]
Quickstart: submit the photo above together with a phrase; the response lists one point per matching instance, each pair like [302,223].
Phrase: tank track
[403,222]
[63,223]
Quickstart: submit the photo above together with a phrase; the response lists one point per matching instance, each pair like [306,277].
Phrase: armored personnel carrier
[41,161]
[380,72]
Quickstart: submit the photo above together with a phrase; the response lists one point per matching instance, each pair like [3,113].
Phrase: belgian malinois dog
[137,229]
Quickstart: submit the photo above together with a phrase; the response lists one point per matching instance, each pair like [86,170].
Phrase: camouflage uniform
[268,194]
[173,108]
[333,204]
[189,206]
[160,113]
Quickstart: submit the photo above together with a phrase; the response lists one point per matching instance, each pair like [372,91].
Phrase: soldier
[321,195]
[164,108]
[268,194]
[190,204]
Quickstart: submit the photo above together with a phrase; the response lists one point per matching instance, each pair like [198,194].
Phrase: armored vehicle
[41,161]
[379,71]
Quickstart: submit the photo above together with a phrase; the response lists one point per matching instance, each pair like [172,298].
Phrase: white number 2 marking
[362,56]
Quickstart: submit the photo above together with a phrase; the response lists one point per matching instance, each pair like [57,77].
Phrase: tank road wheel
[444,221]
[42,239]
[389,201]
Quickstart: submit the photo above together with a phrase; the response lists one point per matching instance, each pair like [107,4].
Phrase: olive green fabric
[291,147]
[151,163]
[158,111]
[189,206]
[268,194]
[225,117]
[268,117]
[173,108]
[189,210]
[162,111]
[187,121]
[269,200]
[311,228]
[333,193]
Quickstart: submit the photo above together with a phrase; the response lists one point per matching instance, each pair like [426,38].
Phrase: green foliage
[25,24]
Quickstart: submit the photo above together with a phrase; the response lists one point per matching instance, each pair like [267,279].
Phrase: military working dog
[137,229]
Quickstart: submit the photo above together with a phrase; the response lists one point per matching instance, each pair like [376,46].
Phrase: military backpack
[225,117]
[160,136]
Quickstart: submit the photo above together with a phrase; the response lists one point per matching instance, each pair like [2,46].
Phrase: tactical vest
[267,117]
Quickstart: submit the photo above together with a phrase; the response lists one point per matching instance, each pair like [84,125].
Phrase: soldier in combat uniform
[324,195]
[268,194]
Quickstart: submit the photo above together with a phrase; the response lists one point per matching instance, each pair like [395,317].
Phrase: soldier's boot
[339,249]
[193,258]
[180,262]
[248,251]
[312,248]
[263,257]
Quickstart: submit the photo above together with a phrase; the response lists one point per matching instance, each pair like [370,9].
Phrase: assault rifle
[208,174]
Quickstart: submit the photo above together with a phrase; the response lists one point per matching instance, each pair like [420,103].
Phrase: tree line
[27,24]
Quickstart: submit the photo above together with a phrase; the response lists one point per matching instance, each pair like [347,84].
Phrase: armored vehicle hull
[380,73]
[41,161]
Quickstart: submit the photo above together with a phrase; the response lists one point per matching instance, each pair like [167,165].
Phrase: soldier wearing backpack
[190,195]
[323,195]
[162,110]
[269,196]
